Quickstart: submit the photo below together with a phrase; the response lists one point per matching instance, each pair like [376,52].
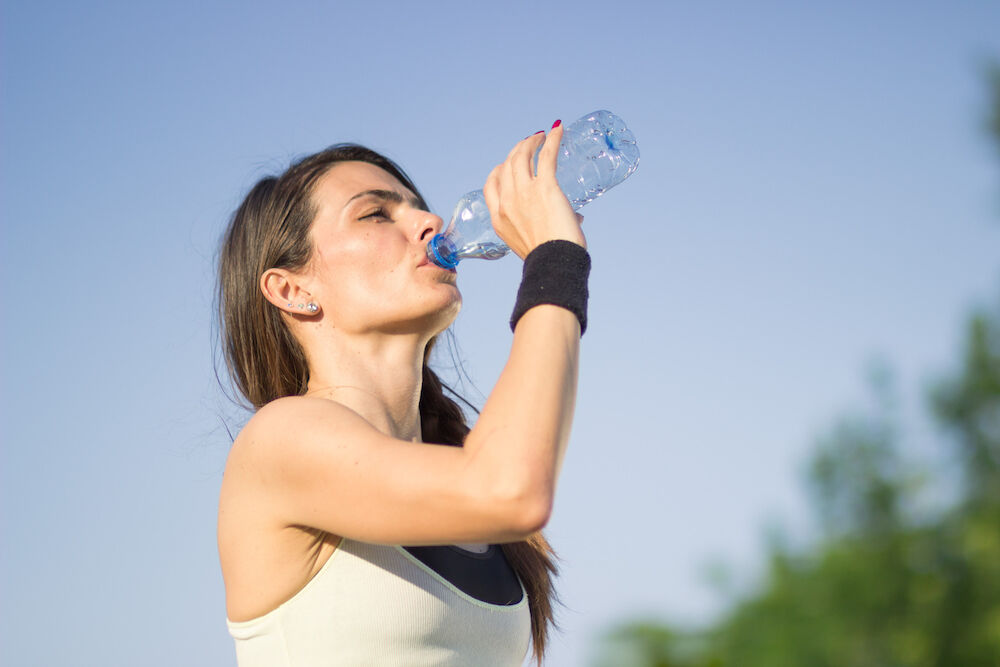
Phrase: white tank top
[372,604]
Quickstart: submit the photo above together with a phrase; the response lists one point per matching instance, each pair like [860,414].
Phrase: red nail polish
[539,132]
[556,124]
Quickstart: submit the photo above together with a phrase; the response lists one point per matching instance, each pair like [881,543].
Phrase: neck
[377,376]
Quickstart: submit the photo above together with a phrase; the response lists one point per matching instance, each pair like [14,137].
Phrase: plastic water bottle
[597,153]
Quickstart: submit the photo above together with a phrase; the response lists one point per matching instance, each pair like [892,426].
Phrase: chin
[444,316]
[433,316]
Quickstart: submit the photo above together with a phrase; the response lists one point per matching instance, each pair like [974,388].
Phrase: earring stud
[312,307]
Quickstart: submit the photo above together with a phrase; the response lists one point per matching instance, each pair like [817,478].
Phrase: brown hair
[270,229]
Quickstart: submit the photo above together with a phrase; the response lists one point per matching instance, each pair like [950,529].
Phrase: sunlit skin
[340,461]
[380,300]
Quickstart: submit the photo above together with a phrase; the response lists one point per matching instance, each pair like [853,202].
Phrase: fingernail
[556,124]
[539,132]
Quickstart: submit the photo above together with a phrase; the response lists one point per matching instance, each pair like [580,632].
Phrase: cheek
[376,258]
[361,252]
[363,269]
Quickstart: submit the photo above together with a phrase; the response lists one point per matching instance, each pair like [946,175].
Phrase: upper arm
[316,463]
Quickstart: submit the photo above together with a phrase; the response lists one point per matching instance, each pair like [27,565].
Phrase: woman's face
[369,269]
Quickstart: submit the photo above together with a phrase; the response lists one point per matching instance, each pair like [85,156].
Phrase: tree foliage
[884,586]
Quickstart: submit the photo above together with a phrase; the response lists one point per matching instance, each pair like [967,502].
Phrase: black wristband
[556,273]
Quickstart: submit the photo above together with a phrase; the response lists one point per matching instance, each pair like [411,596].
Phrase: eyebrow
[387,195]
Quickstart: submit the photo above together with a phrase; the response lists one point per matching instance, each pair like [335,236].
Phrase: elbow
[517,504]
[538,516]
[530,513]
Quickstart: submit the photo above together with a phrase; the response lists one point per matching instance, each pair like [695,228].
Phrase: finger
[535,146]
[505,177]
[579,219]
[491,191]
[524,160]
[550,151]
[511,155]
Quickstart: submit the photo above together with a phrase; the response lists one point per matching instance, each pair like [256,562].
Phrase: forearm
[519,442]
[515,451]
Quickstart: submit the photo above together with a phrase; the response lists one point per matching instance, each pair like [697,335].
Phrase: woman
[328,309]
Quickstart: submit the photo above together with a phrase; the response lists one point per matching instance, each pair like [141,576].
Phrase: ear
[287,291]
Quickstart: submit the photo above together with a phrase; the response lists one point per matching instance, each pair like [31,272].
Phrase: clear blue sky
[815,190]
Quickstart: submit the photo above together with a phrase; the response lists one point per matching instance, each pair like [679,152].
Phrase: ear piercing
[311,307]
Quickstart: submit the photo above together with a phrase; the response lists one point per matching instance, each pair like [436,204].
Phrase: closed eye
[378,214]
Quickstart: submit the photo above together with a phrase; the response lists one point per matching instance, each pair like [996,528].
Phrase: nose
[428,225]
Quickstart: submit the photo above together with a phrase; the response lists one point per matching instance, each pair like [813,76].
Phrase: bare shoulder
[265,557]
[250,503]
[283,418]
[271,436]
[293,442]
[287,425]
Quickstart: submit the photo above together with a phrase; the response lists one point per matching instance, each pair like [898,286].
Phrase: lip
[427,262]
[439,268]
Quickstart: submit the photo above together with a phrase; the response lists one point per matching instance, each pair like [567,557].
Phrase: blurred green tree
[883,586]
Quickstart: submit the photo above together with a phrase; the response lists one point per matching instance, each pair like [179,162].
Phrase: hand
[528,208]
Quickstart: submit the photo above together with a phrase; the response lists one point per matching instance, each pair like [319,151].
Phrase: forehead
[344,180]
